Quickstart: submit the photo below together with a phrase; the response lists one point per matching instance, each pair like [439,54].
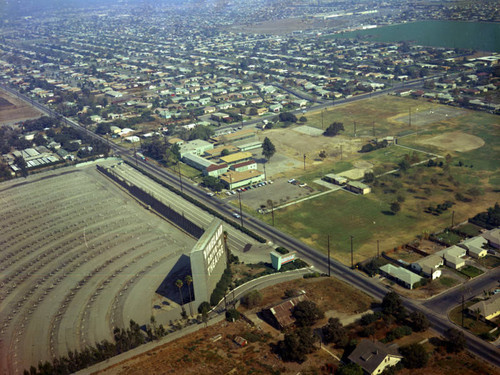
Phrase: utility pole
[328,255]
[304,161]
[272,211]
[135,156]
[241,212]
[265,175]
[354,128]
[352,255]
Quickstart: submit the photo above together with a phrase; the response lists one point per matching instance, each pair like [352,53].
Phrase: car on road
[236,215]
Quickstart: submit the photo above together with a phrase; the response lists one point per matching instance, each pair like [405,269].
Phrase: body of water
[480,36]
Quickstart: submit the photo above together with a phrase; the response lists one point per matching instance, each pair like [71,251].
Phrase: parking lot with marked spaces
[78,257]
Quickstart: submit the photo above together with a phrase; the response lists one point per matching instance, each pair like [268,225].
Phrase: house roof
[215,167]
[370,354]
[454,250]
[475,244]
[401,273]
[282,312]
[489,307]
[493,236]
[430,261]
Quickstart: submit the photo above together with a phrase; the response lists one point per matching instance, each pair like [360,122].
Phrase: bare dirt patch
[296,145]
[13,110]
[455,141]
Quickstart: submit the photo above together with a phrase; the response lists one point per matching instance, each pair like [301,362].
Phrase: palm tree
[189,280]
[179,285]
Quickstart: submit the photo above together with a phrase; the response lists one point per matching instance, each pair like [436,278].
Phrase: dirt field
[295,145]
[357,173]
[13,110]
[454,141]
[424,116]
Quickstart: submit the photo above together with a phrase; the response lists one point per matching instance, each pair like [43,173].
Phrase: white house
[475,246]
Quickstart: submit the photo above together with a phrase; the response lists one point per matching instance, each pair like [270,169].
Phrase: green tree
[213,183]
[252,111]
[349,369]
[103,128]
[21,164]
[419,321]
[189,280]
[414,356]
[455,340]
[334,129]
[392,305]
[268,149]
[306,313]
[287,117]
[335,332]
[251,299]
[179,285]
[395,207]
[224,152]
[296,345]
[232,315]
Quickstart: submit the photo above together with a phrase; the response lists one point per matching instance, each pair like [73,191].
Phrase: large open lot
[463,141]
[13,110]
[78,258]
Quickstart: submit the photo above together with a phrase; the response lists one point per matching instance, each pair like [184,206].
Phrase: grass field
[468,175]
[471,271]
[448,281]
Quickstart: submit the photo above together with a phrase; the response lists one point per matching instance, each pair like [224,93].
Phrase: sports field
[462,140]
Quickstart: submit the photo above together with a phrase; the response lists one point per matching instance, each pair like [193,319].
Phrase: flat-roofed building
[196,161]
[233,137]
[358,187]
[245,166]
[234,180]
[217,151]
[195,147]
[335,179]
[215,170]
[237,158]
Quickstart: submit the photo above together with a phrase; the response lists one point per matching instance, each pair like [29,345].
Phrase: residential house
[453,256]
[429,266]
[374,357]
[493,237]
[475,246]
[401,275]
[280,315]
[487,309]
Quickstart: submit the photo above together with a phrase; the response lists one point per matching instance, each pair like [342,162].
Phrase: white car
[236,215]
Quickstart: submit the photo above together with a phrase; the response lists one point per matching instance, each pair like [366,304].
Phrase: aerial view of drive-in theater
[249,187]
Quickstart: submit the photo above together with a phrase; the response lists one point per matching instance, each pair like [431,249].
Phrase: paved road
[443,303]
[319,260]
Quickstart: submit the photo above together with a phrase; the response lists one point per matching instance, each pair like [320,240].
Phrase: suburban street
[435,309]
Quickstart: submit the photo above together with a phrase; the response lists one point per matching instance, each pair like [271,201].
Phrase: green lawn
[449,238]
[471,271]
[448,281]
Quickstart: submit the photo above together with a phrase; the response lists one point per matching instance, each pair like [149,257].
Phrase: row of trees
[125,339]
